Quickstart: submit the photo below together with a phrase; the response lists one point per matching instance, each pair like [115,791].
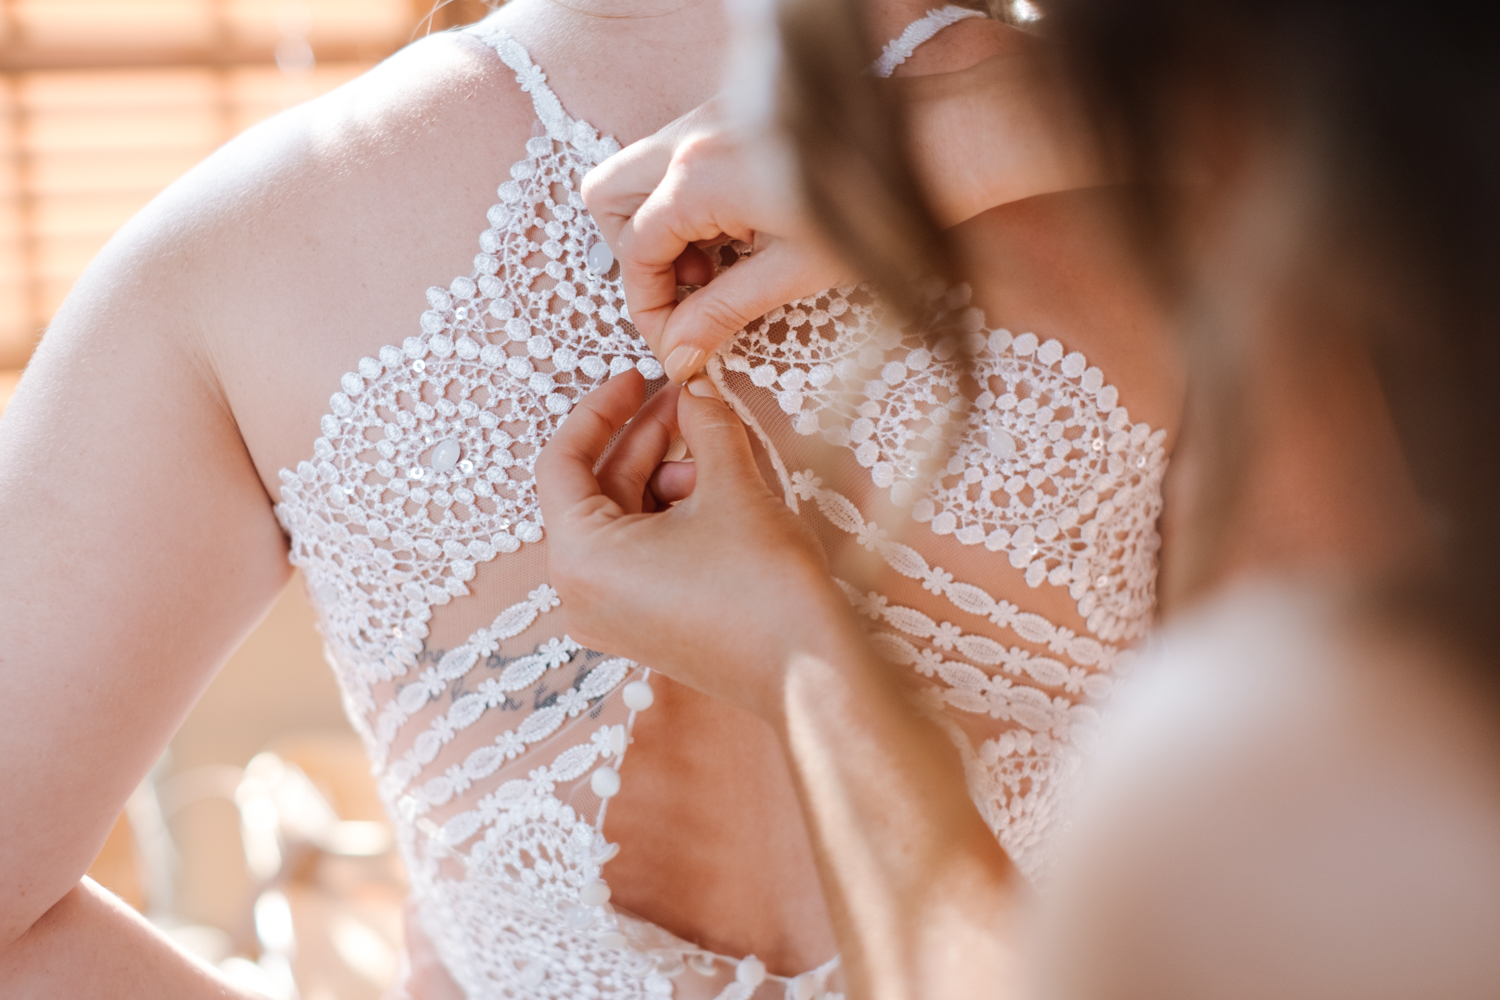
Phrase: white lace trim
[1015,776]
[921,30]
[459,661]
[844,514]
[491,693]
[549,110]
[532,864]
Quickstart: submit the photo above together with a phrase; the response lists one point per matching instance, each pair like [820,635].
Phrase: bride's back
[345,212]
[367,199]
[197,360]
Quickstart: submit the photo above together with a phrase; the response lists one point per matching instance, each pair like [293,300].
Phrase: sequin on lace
[497,765]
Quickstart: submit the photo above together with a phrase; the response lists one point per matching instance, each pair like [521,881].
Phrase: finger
[673,481]
[626,470]
[718,440]
[565,467]
[697,200]
[781,272]
[615,189]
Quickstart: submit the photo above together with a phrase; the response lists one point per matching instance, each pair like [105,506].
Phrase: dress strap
[921,30]
[549,110]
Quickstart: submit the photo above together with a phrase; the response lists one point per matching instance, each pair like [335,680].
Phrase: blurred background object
[257,841]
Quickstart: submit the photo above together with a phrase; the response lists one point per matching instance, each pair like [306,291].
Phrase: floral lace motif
[424,467]
[1014,776]
[1048,466]
[497,769]
[518,912]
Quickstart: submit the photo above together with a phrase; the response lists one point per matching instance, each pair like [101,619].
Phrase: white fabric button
[751,971]
[804,987]
[445,455]
[595,893]
[639,696]
[1001,443]
[601,258]
[605,782]
[533,974]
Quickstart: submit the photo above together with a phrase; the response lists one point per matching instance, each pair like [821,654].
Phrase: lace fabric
[497,748]
[921,30]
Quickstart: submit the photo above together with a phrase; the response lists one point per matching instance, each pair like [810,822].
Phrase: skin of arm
[89,944]
[140,550]
[912,874]
[922,895]
[138,457]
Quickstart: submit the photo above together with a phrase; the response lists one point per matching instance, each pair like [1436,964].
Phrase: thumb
[781,272]
[718,440]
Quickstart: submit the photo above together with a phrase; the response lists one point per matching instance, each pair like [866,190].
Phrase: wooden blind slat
[83,148]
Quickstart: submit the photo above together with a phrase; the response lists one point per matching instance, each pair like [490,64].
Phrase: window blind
[104,102]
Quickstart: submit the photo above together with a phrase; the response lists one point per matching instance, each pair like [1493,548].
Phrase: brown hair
[1401,107]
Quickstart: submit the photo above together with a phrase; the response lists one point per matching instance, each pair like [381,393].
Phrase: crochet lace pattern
[497,763]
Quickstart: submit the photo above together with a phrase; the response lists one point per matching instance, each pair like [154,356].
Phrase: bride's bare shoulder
[280,244]
[430,108]
[424,138]
[307,242]
[354,168]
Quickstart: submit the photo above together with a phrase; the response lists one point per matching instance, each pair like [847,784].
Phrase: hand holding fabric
[706,178]
[717,591]
[726,591]
[1006,129]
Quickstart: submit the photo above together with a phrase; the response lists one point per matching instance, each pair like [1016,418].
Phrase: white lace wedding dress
[497,741]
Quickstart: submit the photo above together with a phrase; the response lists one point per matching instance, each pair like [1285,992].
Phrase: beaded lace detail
[497,752]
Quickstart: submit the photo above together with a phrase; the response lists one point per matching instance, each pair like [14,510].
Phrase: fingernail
[704,386]
[683,361]
[677,450]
